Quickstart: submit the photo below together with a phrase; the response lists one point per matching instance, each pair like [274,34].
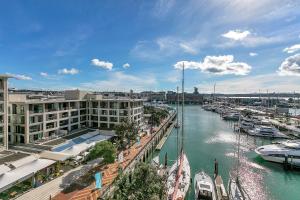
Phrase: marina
[209,137]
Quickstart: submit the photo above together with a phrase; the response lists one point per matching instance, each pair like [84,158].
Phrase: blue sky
[242,46]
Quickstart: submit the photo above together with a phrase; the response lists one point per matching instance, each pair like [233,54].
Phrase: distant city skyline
[242,46]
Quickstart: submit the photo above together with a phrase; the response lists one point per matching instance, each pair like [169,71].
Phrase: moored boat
[287,151]
[204,187]
[178,181]
[266,131]
[236,191]
[179,176]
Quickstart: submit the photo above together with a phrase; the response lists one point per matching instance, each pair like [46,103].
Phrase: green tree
[143,183]
[106,150]
[157,114]
[126,132]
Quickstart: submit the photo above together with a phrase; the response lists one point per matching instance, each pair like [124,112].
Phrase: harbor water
[208,137]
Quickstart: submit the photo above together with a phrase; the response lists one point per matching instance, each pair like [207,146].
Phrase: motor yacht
[204,187]
[279,151]
[246,124]
[231,116]
[266,131]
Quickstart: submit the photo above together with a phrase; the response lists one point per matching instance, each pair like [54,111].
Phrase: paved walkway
[109,172]
[57,185]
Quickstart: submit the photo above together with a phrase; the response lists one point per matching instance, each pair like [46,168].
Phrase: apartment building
[34,118]
[106,113]
[3,112]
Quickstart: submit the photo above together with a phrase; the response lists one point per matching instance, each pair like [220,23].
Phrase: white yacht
[236,191]
[246,124]
[204,187]
[266,131]
[179,178]
[231,116]
[278,152]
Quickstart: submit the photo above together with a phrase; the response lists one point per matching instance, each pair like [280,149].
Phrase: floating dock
[164,139]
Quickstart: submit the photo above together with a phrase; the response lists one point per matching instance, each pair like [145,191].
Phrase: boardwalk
[110,172]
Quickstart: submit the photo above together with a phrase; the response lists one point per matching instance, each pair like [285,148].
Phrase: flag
[98,178]
[138,141]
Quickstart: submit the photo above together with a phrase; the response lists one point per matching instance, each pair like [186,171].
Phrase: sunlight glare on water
[207,137]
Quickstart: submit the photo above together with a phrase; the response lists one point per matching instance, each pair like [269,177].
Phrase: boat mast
[182,107]
[177,131]
[238,149]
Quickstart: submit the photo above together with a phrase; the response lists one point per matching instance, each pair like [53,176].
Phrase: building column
[26,127]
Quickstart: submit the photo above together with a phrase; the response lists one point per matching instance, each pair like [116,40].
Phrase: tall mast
[238,150]
[182,107]
[177,131]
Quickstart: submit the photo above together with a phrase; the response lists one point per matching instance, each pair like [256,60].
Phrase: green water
[208,137]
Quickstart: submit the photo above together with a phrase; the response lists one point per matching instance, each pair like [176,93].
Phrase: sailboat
[235,189]
[179,176]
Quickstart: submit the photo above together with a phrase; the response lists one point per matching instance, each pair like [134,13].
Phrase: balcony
[75,120]
[74,113]
[64,123]
[64,115]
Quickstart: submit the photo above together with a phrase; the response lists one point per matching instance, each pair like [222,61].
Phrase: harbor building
[38,117]
[3,112]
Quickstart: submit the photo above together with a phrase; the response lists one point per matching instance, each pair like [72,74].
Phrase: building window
[112,112]
[113,119]
[103,119]
[103,104]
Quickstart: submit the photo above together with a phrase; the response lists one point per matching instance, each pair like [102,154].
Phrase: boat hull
[184,179]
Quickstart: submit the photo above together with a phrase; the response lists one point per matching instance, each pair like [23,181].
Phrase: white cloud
[167,46]
[44,74]
[237,35]
[71,71]
[126,65]
[188,48]
[119,81]
[217,65]
[20,76]
[292,49]
[251,84]
[103,64]
[290,66]
[248,39]
[253,54]
[162,7]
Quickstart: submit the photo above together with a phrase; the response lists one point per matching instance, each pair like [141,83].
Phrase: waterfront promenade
[54,189]
[110,172]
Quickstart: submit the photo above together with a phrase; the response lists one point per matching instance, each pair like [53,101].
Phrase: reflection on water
[208,137]
[222,137]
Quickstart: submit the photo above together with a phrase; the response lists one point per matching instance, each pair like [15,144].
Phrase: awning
[4,169]
[57,156]
[22,173]
[23,161]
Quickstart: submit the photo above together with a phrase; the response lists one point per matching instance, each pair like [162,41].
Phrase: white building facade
[39,118]
[3,112]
